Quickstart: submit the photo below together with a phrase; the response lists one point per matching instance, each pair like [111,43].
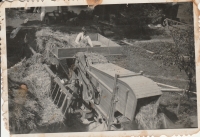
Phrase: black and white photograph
[110,67]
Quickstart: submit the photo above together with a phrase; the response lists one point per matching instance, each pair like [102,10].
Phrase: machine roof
[141,85]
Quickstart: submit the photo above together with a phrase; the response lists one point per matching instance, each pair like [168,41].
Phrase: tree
[183,52]
[136,17]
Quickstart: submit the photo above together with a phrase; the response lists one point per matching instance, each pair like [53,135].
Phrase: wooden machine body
[94,77]
[102,45]
[130,88]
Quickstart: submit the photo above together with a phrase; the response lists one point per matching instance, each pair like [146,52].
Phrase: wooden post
[63,104]
[51,92]
[68,104]
[126,100]
[113,102]
[59,98]
[179,103]
[56,95]
[64,69]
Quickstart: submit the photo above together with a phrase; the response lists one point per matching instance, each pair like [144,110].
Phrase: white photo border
[35,3]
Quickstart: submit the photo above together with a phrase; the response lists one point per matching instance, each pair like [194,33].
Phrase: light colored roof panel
[141,86]
[111,69]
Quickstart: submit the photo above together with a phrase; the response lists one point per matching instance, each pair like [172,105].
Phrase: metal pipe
[161,84]
[175,90]
[169,89]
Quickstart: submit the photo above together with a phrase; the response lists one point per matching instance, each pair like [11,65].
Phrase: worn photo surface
[112,67]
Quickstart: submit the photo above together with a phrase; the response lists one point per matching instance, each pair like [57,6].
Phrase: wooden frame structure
[105,46]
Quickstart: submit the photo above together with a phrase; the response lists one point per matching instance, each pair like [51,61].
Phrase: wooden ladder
[59,88]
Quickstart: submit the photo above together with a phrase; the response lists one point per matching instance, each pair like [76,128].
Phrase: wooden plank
[70,52]
[49,71]
[63,104]
[165,85]
[56,94]
[93,36]
[113,102]
[57,80]
[64,90]
[105,101]
[103,40]
[172,89]
[55,51]
[129,75]
[106,23]
[166,78]
[51,92]
[121,104]
[68,77]
[175,90]
[126,98]
[100,81]
[137,46]
[59,97]
[106,41]
[112,44]
[130,105]
[68,105]
[99,109]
